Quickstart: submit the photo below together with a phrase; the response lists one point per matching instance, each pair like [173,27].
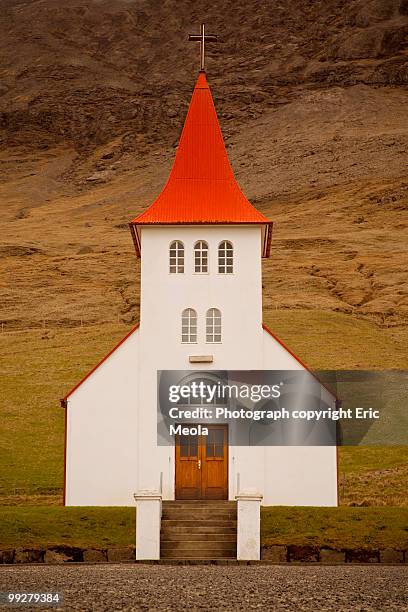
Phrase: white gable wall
[288,475]
[101,432]
[298,475]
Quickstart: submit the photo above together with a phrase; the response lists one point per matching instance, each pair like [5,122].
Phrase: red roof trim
[64,399]
[135,238]
[64,494]
[268,240]
[298,360]
[266,247]
[204,222]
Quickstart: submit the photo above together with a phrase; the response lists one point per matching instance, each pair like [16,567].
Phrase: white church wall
[165,296]
[300,476]
[237,295]
[245,345]
[297,475]
[250,468]
[112,449]
[101,432]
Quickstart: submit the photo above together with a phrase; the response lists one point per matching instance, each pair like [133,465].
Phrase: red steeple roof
[201,188]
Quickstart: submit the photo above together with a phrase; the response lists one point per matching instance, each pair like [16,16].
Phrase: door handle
[199,464]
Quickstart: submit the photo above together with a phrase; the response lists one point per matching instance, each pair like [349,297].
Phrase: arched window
[176,257]
[225,258]
[201,257]
[213,325]
[189,326]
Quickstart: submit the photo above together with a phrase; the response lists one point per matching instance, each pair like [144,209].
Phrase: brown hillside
[312,99]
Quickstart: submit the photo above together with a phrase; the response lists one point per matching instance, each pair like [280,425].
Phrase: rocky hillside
[312,99]
[88,71]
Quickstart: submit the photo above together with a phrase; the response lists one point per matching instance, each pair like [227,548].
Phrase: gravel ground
[131,587]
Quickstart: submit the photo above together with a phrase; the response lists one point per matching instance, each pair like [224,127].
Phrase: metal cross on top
[203,38]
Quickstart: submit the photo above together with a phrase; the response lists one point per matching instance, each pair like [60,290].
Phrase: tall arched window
[213,325]
[225,258]
[201,257]
[189,326]
[176,259]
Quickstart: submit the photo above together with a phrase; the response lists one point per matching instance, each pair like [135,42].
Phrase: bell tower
[201,243]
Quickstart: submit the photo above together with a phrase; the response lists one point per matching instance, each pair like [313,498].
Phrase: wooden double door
[202,464]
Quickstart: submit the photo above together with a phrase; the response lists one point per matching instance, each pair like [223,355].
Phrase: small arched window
[213,325]
[176,259]
[189,326]
[201,257]
[225,258]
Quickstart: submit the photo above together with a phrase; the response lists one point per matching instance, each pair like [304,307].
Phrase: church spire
[201,188]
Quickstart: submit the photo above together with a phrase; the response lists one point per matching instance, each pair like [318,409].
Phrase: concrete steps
[205,514]
[207,522]
[198,530]
[200,537]
[199,502]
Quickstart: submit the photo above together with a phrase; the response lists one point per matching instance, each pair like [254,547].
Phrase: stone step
[199,502]
[170,535]
[202,523]
[193,554]
[197,529]
[199,514]
[188,509]
[197,546]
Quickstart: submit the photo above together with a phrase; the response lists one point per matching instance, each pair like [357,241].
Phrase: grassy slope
[86,527]
[106,527]
[330,340]
[336,527]
[37,368]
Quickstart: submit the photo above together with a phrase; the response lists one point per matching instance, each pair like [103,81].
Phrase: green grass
[370,458]
[37,368]
[51,526]
[335,341]
[115,527]
[373,476]
[336,527]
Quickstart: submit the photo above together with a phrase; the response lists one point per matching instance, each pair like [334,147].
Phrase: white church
[200,244]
